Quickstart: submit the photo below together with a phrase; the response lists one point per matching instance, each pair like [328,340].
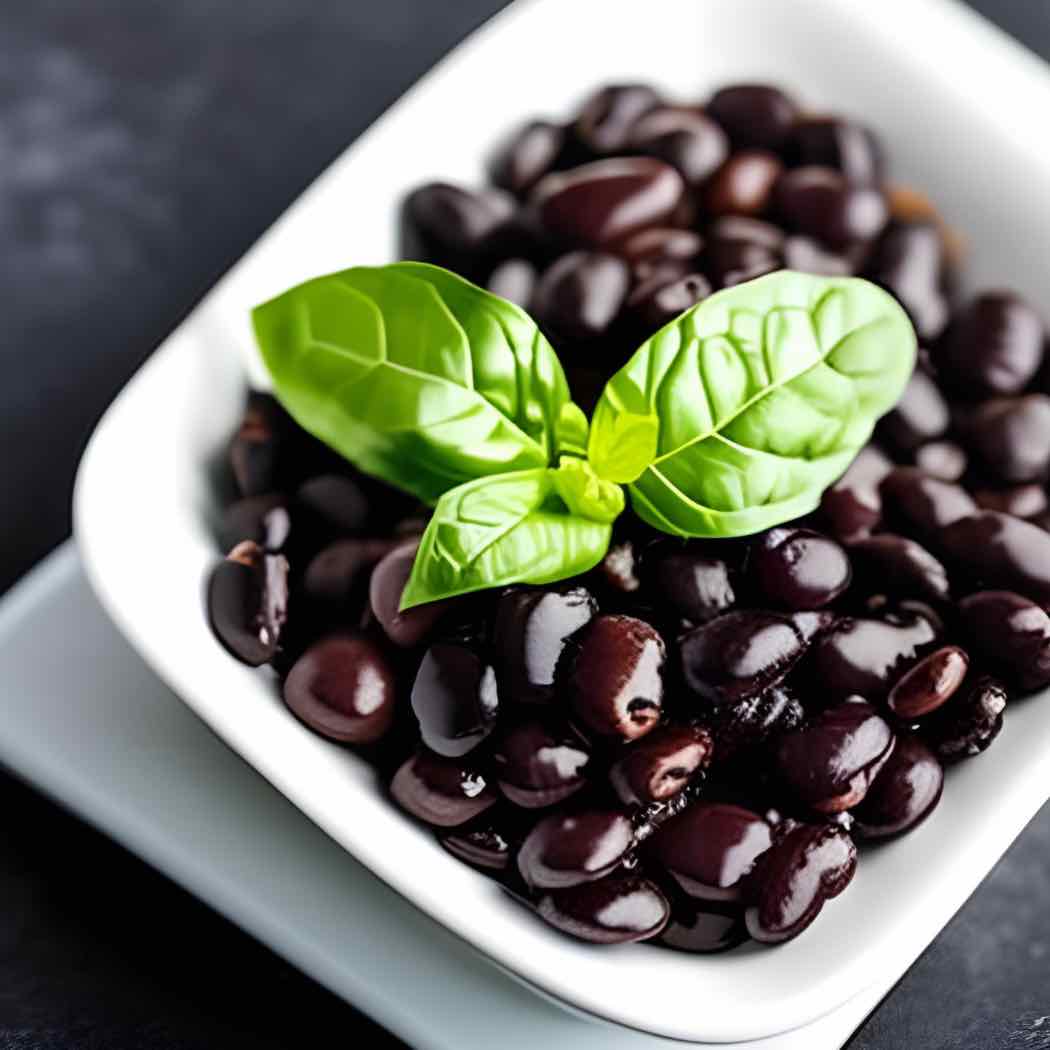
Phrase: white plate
[961,109]
[99,732]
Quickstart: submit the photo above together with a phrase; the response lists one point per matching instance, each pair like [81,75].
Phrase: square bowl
[964,126]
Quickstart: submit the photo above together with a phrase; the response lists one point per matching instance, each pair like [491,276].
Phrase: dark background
[143,147]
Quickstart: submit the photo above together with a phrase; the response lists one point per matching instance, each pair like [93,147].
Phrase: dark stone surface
[143,147]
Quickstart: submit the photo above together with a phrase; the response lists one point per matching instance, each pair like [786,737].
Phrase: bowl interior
[147,542]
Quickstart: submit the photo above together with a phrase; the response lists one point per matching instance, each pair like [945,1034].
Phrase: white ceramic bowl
[962,110]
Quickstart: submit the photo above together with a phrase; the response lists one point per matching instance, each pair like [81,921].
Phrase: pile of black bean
[687,743]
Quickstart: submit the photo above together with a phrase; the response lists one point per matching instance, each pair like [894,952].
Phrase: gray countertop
[143,147]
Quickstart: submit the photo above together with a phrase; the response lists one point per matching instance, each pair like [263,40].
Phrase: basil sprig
[733,418]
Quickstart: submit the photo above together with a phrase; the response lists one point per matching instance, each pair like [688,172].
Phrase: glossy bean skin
[899,566]
[661,765]
[1011,634]
[808,255]
[909,262]
[614,910]
[336,579]
[739,654]
[659,300]
[922,503]
[579,296]
[999,551]
[524,158]
[830,762]
[929,684]
[454,698]
[903,794]
[658,245]
[744,184]
[820,203]
[262,519]
[832,142]
[387,584]
[1009,437]
[539,762]
[809,865]
[799,568]
[247,602]
[532,630]
[688,140]
[994,346]
[944,460]
[515,281]
[343,687]
[259,451]
[599,203]
[739,248]
[488,845]
[865,657]
[567,849]
[444,792]
[703,926]
[754,115]
[614,678]
[852,507]
[1020,501]
[607,118]
[710,848]
[693,578]
[919,416]
[331,506]
[743,729]
[968,725]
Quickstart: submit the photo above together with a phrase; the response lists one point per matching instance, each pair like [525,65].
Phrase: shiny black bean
[739,248]
[614,678]
[531,632]
[694,579]
[455,699]
[739,654]
[1021,501]
[709,848]
[343,687]
[932,682]
[336,579]
[600,203]
[798,568]
[524,158]
[259,450]
[909,262]
[820,203]
[658,767]
[514,280]
[744,184]
[489,846]
[865,657]
[996,550]
[686,138]
[539,762]
[898,566]
[809,256]
[993,346]
[919,416]
[968,725]
[613,910]
[852,507]
[1009,437]
[262,519]
[754,115]
[743,729]
[385,588]
[703,926]
[567,849]
[1011,634]
[809,865]
[247,601]
[657,300]
[923,503]
[579,296]
[445,792]
[903,794]
[658,245]
[830,762]
[329,506]
[944,460]
[618,570]
[833,142]
[607,117]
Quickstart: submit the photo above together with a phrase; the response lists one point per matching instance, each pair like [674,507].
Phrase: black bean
[830,762]
[658,767]
[658,245]
[607,117]
[247,599]
[613,910]
[944,460]
[259,451]
[923,503]
[524,158]
[539,762]
[515,281]
[809,256]
[1011,634]
[337,577]
[833,142]
[567,849]
[809,865]
[798,568]
[703,926]
[262,519]
[1022,501]
[931,683]
[686,138]
[898,566]
[614,678]
[919,416]
[852,506]
[909,262]
[343,687]
[445,792]
[1009,436]
[968,725]
[489,846]
[744,184]
[658,300]
[820,203]
[329,506]
[739,248]
[904,793]
[741,730]
[754,115]
[385,588]
[579,296]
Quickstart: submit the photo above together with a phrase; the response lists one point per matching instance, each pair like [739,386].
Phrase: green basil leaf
[586,494]
[510,528]
[764,393]
[417,376]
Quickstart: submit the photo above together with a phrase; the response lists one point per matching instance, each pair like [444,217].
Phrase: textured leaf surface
[512,528]
[763,394]
[417,376]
